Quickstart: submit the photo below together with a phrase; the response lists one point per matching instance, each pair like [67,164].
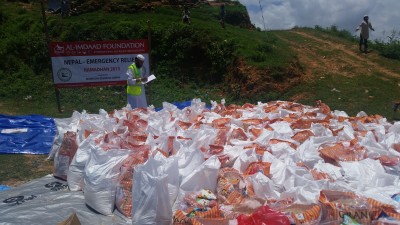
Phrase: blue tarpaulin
[31,134]
[4,188]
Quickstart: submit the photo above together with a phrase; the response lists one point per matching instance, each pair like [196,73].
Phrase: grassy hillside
[201,60]
[342,77]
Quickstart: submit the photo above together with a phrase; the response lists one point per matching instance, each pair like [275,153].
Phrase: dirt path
[342,60]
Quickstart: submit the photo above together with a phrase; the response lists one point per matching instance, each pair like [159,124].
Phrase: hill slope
[341,76]
[239,63]
[200,60]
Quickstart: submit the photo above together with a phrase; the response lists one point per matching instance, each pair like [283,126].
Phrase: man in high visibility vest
[135,88]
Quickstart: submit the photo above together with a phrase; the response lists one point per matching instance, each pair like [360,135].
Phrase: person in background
[64,8]
[186,15]
[364,33]
[222,15]
[135,91]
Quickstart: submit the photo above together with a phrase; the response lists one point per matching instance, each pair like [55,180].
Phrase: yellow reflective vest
[135,89]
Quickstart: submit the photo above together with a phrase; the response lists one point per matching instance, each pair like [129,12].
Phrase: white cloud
[345,14]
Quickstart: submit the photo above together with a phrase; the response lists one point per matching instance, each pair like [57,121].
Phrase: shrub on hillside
[191,54]
[235,16]
[125,6]
[21,83]
[389,50]
[79,7]
[3,17]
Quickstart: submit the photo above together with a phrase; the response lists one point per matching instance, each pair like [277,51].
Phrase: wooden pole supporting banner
[149,43]
[47,36]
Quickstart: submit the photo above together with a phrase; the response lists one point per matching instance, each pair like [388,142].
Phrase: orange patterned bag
[339,205]
[300,213]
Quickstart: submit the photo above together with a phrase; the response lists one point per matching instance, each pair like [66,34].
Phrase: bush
[221,54]
[258,57]
[333,30]
[3,17]
[18,84]
[191,54]
[237,18]
[265,47]
[389,50]
[88,6]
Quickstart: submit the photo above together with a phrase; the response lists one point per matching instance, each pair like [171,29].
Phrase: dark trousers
[363,41]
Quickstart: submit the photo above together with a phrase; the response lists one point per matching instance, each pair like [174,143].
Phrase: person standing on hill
[222,15]
[135,91]
[186,15]
[64,8]
[364,33]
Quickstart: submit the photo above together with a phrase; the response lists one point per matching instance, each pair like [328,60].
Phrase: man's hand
[143,79]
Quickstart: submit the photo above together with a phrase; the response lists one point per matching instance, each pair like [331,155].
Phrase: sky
[345,14]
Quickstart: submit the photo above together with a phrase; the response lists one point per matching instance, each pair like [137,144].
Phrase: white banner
[98,63]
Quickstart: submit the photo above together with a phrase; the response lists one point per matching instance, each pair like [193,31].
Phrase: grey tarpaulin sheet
[47,200]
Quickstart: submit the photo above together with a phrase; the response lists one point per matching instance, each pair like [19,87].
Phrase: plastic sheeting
[47,200]
[31,134]
[4,188]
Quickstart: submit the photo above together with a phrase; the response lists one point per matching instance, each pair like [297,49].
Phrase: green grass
[368,93]
[345,88]
[17,167]
[259,49]
[204,18]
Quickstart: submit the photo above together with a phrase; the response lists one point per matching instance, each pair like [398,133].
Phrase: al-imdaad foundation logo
[64,74]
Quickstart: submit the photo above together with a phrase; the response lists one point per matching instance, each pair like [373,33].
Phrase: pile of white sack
[224,165]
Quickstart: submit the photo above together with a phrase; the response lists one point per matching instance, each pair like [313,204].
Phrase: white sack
[233,153]
[367,173]
[263,186]
[204,176]
[188,160]
[282,128]
[244,160]
[283,151]
[100,179]
[63,125]
[278,170]
[308,153]
[77,167]
[155,187]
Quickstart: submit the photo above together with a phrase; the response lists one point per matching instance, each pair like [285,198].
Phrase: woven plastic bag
[154,190]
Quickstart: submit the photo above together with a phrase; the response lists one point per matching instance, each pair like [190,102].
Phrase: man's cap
[365,16]
[140,57]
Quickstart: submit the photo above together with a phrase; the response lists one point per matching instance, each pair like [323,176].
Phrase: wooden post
[47,36]
[149,43]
